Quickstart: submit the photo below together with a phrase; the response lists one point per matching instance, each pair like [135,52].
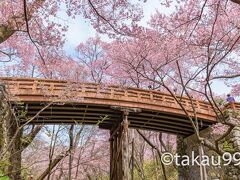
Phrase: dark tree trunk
[10,134]
[15,158]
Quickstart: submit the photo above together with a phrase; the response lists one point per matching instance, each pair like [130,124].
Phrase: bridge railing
[57,88]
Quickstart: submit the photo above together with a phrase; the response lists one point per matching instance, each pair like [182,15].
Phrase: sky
[80,29]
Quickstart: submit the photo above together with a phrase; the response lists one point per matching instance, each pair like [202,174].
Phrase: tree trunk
[15,159]
[10,144]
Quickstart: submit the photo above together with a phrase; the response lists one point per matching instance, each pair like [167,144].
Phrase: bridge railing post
[34,86]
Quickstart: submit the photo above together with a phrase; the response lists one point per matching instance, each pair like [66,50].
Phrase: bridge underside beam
[106,117]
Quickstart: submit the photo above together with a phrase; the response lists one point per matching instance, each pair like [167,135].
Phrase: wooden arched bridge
[110,107]
[95,104]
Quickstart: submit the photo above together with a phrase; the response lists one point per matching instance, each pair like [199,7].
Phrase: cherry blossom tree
[182,53]
[27,28]
[186,51]
[91,55]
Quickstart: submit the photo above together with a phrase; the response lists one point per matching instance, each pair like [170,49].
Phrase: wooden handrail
[51,87]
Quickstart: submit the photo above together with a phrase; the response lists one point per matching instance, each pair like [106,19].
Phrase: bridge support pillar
[119,151]
[192,152]
[212,170]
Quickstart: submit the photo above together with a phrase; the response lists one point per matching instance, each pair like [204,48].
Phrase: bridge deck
[92,104]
